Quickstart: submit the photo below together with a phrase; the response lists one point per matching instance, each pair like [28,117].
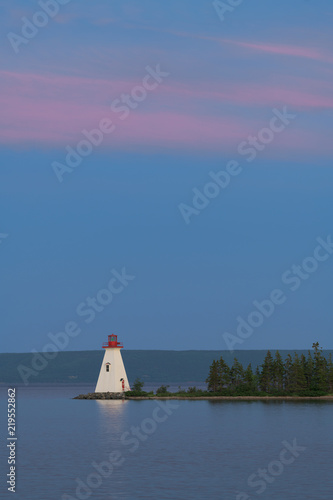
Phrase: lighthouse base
[102,395]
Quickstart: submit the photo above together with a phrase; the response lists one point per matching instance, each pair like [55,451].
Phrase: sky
[166,174]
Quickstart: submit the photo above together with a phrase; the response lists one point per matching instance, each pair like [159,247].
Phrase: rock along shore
[102,395]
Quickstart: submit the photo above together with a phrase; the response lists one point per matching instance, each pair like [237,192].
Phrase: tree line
[311,374]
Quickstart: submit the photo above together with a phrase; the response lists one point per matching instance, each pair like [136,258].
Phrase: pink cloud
[56,109]
[278,49]
[286,50]
[53,110]
[300,93]
[98,93]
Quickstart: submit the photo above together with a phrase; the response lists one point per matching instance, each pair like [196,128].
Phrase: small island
[295,377]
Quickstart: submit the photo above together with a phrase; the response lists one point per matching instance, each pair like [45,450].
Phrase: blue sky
[119,208]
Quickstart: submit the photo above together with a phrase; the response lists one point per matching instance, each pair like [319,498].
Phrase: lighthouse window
[107,368]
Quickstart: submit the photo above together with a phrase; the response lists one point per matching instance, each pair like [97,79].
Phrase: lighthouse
[112,376]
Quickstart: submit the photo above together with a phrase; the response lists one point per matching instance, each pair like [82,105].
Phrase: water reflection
[111,413]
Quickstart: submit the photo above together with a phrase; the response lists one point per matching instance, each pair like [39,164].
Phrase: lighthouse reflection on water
[111,414]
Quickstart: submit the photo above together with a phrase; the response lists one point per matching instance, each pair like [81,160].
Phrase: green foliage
[219,376]
[213,379]
[266,379]
[163,390]
[311,393]
[330,373]
[278,372]
[134,394]
[320,372]
[236,374]
[297,375]
[138,394]
[224,373]
[137,385]
[298,379]
[250,380]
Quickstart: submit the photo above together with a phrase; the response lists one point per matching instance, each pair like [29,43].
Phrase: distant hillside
[150,366]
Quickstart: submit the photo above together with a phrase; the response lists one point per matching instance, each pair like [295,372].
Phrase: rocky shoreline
[102,395]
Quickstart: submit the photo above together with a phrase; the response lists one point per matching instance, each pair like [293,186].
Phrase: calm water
[190,450]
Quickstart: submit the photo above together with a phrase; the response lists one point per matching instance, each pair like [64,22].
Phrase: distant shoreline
[189,368]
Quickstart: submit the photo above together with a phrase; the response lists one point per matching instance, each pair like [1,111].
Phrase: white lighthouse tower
[112,377]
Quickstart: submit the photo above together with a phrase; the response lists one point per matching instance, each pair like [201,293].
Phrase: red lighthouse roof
[112,342]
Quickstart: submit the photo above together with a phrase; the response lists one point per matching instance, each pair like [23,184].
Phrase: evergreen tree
[257,378]
[330,373]
[224,374]
[298,380]
[250,379]
[137,385]
[213,379]
[278,372]
[304,364]
[309,371]
[294,375]
[266,375]
[320,377]
[288,366]
[236,373]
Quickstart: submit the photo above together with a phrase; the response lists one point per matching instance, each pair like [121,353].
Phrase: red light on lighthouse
[112,342]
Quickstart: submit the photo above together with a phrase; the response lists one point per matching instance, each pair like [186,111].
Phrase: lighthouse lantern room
[112,376]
